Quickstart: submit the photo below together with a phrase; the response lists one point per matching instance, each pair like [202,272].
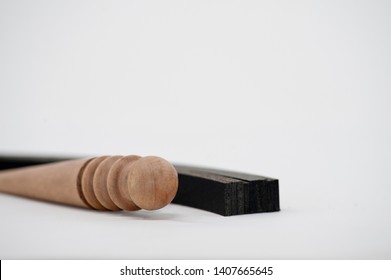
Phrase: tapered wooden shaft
[102,183]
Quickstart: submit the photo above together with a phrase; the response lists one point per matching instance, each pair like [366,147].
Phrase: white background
[297,90]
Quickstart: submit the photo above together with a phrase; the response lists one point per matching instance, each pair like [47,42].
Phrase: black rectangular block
[225,192]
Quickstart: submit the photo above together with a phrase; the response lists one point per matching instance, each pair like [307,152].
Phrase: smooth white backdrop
[299,91]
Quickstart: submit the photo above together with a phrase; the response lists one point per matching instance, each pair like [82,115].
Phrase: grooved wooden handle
[102,183]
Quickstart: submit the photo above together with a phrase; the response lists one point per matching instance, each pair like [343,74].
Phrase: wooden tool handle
[102,183]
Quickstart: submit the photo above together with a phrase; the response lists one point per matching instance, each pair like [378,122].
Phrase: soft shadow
[144,215]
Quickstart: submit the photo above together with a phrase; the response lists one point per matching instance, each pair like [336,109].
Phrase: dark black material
[211,192]
[223,192]
[226,193]
[8,162]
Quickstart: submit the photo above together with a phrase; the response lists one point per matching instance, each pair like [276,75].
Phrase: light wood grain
[102,183]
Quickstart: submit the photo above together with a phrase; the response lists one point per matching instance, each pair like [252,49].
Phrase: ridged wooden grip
[102,183]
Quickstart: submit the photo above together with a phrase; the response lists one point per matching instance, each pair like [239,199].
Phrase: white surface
[298,91]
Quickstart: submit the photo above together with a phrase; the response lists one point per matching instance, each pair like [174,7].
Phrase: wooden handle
[102,183]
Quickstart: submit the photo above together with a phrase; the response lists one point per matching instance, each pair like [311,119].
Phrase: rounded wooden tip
[152,182]
[128,183]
